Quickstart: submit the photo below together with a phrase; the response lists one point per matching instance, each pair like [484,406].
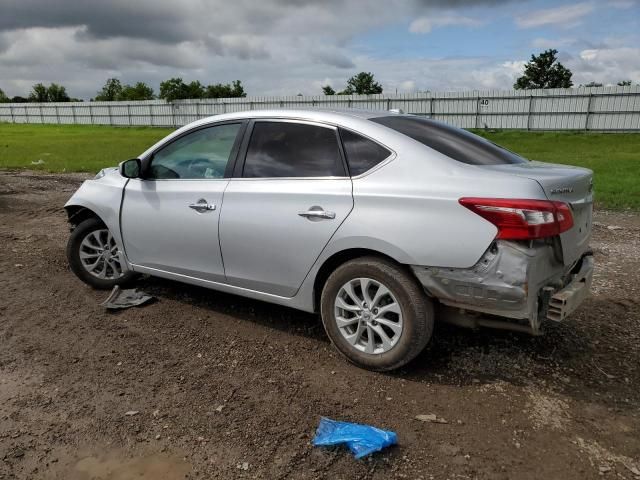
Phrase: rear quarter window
[453,142]
[362,154]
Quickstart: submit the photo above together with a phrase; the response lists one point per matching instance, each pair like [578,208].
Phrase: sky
[286,47]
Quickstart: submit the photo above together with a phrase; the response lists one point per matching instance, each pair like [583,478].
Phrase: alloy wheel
[99,255]
[368,315]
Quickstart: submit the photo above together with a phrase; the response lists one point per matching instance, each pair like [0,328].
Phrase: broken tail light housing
[521,219]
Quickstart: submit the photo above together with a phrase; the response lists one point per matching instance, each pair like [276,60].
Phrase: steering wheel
[198,167]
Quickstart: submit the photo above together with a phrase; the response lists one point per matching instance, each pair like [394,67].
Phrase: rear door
[288,197]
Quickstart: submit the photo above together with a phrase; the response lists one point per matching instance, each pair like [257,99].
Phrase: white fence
[601,109]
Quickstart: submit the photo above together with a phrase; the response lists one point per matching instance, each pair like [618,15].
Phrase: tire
[94,231]
[412,328]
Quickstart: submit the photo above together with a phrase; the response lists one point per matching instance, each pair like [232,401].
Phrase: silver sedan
[381,222]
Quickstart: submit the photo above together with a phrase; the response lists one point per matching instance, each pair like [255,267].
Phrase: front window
[202,154]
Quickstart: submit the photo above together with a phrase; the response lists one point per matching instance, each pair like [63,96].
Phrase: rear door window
[362,154]
[453,142]
[287,149]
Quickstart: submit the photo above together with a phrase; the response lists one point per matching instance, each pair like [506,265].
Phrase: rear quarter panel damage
[504,282]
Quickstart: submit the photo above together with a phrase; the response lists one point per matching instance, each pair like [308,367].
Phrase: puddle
[154,467]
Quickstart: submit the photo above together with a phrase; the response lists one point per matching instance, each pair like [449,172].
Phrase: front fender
[104,198]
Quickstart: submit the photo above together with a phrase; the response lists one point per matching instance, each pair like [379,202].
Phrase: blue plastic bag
[361,439]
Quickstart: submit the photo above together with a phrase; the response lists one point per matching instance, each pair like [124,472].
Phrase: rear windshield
[453,142]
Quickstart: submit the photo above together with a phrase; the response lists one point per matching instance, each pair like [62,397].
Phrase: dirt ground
[226,387]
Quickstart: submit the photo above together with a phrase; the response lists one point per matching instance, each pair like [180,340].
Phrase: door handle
[202,206]
[317,212]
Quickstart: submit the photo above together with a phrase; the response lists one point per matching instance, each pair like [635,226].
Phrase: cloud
[565,16]
[427,23]
[407,86]
[277,47]
[605,65]
[544,43]
[623,4]
[332,57]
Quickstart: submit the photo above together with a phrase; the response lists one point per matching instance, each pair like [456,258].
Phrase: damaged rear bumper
[518,282]
[563,302]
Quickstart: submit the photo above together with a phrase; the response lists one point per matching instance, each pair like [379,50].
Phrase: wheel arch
[339,258]
[76,214]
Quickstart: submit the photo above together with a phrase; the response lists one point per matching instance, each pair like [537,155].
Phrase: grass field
[614,157]
[72,148]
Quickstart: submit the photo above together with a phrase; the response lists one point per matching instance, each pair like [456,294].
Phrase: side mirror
[131,168]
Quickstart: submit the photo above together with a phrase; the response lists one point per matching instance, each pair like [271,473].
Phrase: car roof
[355,119]
[317,114]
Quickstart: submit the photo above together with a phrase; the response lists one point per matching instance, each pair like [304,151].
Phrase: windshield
[453,142]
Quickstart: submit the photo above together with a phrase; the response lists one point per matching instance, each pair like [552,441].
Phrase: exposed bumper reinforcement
[512,282]
[565,301]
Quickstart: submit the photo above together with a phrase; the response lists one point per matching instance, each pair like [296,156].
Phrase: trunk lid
[564,183]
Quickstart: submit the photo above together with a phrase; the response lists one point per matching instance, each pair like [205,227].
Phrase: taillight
[518,219]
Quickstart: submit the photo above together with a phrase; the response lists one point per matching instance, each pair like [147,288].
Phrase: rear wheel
[376,314]
[94,257]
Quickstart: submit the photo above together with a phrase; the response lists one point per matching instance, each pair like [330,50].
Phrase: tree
[19,99]
[139,91]
[173,89]
[544,71]
[592,85]
[39,93]
[52,93]
[362,84]
[195,90]
[3,97]
[110,92]
[225,90]
[624,83]
[176,89]
[57,93]
[237,90]
[328,90]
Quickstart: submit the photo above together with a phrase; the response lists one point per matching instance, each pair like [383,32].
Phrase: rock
[158,437]
[633,469]
[156,413]
[131,413]
[614,227]
[243,466]
[18,453]
[430,418]
[604,468]
[219,408]
[449,449]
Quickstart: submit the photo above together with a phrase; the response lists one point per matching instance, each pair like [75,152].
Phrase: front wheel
[94,257]
[376,314]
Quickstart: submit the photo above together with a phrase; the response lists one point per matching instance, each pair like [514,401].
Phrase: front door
[292,195]
[170,217]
